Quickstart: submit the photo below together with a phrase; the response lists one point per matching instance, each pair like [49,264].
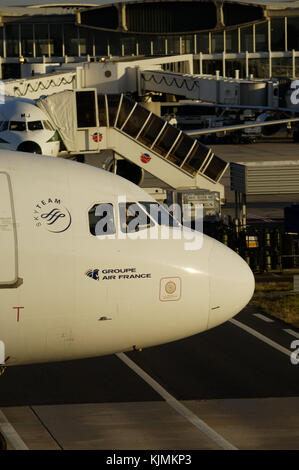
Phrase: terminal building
[256,37]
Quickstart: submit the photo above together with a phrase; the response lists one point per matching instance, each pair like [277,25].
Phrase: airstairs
[134,133]
[153,144]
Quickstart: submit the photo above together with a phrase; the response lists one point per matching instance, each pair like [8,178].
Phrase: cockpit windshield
[159,213]
[133,218]
[35,125]
[17,126]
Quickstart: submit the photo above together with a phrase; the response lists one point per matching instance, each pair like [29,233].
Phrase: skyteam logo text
[51,214]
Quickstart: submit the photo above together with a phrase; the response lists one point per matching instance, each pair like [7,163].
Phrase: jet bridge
[44,84]
[192,87]
[143,76]
[136,134]
[211,88]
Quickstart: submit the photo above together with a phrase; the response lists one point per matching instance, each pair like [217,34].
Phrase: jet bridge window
[101,219]
[133,218]
[18,126]
[86,109]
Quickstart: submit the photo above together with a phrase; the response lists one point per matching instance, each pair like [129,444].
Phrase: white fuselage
[66,293]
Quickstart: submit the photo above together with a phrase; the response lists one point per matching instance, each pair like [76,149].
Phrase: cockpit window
[159,214]
[48,126]
[133,218]
[3,126]
[35,126]
[18,126]
[101,219]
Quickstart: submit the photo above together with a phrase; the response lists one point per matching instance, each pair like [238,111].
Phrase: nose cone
[231,284]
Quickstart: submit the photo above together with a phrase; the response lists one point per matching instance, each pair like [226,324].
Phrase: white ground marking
[261,337]
[293,333]
[175,404]
[263,317]
[11,434]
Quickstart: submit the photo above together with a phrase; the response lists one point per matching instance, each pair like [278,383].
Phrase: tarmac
[232,387]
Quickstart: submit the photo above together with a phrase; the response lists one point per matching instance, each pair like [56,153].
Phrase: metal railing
[153,132]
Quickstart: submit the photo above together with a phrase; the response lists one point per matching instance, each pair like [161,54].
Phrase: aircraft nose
[231,284]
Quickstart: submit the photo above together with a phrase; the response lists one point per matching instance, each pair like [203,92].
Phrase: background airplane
[26,128]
